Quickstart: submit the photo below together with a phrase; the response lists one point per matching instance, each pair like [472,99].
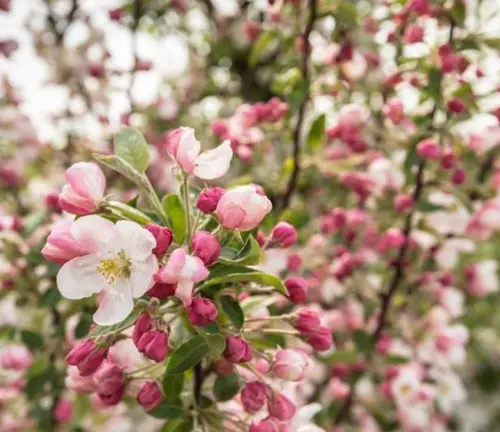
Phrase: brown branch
[297,133]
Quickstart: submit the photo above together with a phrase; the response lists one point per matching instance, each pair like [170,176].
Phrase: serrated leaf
[232,309]
[176,215]
[226,387]
[116,328]
[249,254]
[173,385]
[188,355]
[316,136]
[167,409]
[131,146]
[222,274]
[124,168]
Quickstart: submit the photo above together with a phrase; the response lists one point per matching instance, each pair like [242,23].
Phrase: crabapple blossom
[290,364]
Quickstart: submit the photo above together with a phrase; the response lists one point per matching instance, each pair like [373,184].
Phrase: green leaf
[346,13]
[458,12]
[173,385]
[260,46]
[176,214]
[215,341]
[396,359]
[433,88]
[189,354]
[37,367]
[178,425]
[226,387]
[316,135]
[342,356]
[428,207]
[50,298]
[222,274]
[362,340]
[83,326]
[124,168]
[249,254]
[131,146]
[31,339]
[125,211]
[233,310]
[167,409]
[116,328]
[492,43]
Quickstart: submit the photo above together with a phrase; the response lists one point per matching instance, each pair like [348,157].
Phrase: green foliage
[131,146]
[176,215]
[226,387]
[188,355]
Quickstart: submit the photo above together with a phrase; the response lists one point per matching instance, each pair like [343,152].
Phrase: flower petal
[94,233]
[184,292]
[116,304]
[79,278]
[137,242]
[170,272]
[188,150]
[214,163]
[73,203]
[87,179]
[141,275]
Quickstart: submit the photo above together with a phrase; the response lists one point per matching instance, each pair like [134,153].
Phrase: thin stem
[187,206]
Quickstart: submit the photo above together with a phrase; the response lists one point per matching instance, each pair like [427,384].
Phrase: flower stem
[187,206]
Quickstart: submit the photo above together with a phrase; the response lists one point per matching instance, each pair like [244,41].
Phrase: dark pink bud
[280,407]
[414,33]
[266,425]
[202,312]
[63,411]
[208,199]
[206,247]
[162,290]
[320,340]
[456,105]
[5,5]
[254,396]
[261,238]
[115,14]
[142,325]
[86,356]
[339,217]
[154,345]
[403,202]
[284,235]
[307,321]
[429,149]
[294,262]
[163,237]
[223,367]
[297,289]
[237,350]
[448,160]
[110,381]
[52,202]
[149,396]
[459,176]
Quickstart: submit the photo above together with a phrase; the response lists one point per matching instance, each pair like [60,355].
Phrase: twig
[297,133]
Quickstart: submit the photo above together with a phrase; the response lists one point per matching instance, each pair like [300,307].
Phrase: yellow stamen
[113,268]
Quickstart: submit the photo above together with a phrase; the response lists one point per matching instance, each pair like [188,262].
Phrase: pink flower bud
[237,350]
[284,235]
[254,396]
[206,247]
[143,324]
[459,176]
[52,202]
[280,407]
[403,202]
[243,208]
[393,238]
[154,345]
[86,356]
[208,199]
[63,411]
[338,389]
[429,149]
[252,30]
[149,396]
[85,188]
[294,262]
[266,425]
[202,312]
[115,14]
[162,290]
[320,340]
[297,289]
[448,159]
[394,111]
[163,237]
[110,381]
[15,357]
[307,321]
[456,105]
[290,365]
[414,33]
[5,5]
[223,367]
[61,246]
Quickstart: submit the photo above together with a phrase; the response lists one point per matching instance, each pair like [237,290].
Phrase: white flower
[119,262]
[405,386]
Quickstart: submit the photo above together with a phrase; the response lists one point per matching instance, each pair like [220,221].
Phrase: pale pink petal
[188,150]
[214,163]
[184,292]
[94,233]
[136,241]
[231,216]
[116,304]
[170,272]
[201,272]
[141,275]
[79,278]
[73,203]
[87,179]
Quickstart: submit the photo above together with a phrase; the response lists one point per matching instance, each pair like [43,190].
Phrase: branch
[297,133]
[198,383]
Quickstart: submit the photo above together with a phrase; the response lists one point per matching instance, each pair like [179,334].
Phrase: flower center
[115,267]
